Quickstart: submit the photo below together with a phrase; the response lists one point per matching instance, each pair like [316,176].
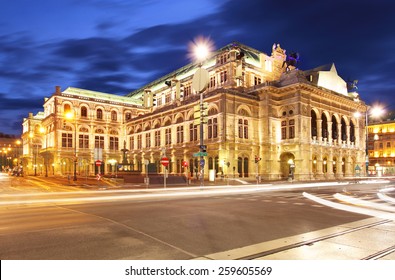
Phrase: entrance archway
[287,163]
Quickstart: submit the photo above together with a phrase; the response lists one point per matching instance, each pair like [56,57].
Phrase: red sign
[98,162]
[184,163]
[165,161]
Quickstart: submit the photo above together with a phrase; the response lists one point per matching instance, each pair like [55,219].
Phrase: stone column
[330,132]
[339,133]
[329,164]
[348,134]
[319,131]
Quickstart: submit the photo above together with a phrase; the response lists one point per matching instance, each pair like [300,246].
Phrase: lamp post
[31,136]
[374,112]
[201,49]
[70,115]
[291,169]
[18,143]
[42,131]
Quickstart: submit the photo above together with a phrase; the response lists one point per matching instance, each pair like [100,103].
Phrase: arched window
[84,112]
[334,128]
[324,129]
[66,108]
[99,114]
[344,130]
[113,115]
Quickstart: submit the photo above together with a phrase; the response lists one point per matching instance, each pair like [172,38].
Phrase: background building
[264,118]
[381,147]
[77,128]
[10,150]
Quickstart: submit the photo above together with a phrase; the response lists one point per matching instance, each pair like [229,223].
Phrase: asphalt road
[173,224]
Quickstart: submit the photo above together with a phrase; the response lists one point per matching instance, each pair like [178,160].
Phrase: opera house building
[253,115]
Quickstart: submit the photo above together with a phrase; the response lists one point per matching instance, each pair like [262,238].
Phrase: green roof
[102,96]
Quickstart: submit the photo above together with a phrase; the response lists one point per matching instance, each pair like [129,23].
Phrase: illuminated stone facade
[257,109]
[381,148]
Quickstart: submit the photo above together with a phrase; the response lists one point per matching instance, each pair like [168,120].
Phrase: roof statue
[291,60]
[352,85]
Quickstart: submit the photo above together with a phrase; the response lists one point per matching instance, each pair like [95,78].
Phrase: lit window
[148,140]
[114,143]
[83,141]
[243,128]
[99,142]
[67,140]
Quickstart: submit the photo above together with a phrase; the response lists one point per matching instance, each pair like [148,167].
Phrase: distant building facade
[10,150]
[381,148]
[263,119]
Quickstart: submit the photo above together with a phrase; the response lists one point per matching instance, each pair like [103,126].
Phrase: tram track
[312,241]
[380,254]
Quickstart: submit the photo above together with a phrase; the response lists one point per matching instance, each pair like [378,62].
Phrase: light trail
[227,188]
[364,203]
[386,198]
[349,208]
[152,193]
[134,194]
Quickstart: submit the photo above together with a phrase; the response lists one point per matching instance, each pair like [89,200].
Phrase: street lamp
[18,143]
[200,49]
[291,164]
[42,131]
[374,112]
[113,166]
[31,136]
[70,116]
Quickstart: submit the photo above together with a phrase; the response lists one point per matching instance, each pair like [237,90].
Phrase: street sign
[98,162]
[165,161]
[202,162]
[200,80]
[200,154]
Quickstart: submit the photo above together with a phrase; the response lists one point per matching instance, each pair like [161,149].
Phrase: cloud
[124,45]
[8,104]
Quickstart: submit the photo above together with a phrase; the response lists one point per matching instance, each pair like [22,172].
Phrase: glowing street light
[200,49]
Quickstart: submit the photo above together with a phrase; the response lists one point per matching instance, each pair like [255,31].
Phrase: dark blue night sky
[117,46]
